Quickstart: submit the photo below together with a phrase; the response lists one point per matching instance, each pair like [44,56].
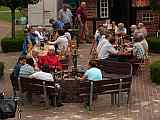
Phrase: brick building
[127,11]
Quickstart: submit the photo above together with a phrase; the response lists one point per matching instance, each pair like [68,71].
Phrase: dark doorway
[120,11]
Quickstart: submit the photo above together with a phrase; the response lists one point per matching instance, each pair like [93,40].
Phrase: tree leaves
[13,4]
[154,4]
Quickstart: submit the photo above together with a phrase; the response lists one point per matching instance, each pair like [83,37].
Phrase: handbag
[8,106]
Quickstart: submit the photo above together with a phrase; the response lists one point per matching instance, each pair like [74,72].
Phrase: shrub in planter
[1,69]
[9,45]
[154,44]
[155,72]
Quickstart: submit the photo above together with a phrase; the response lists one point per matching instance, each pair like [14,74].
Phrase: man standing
[65,15]
[82,20]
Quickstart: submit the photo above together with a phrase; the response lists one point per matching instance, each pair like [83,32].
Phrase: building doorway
[120,11]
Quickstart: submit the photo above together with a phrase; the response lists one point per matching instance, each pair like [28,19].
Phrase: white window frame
[147,17]
[104,10]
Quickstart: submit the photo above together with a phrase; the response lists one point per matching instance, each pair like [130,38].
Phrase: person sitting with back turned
[61,43]
[27,69]
[47,76]
[93,73]
[44,74]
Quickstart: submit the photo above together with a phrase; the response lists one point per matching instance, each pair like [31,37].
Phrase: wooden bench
[113,69]
[36,86]
[115,87]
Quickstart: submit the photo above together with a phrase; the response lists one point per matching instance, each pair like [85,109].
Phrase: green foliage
[5,14]
[1,69]
[13,4]
[154,44]
[9,45]
[155,5]
[155,72]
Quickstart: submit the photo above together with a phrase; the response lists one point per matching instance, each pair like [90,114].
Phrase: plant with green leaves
[9,45]
[13,5]
[154,44]
[155,72]
[155,5]
[1,69]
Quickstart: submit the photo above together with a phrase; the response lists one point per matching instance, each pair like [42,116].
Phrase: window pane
[103,8]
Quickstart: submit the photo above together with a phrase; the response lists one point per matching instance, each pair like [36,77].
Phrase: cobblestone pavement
[144,102]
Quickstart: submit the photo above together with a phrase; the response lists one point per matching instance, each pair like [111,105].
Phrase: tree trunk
[13,23]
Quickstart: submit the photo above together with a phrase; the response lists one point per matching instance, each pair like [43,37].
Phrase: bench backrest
[84,88]
[32,84]
[113,67]
[105,86]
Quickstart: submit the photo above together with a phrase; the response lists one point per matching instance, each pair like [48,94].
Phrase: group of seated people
[106,42]
[37,37]
[25,67]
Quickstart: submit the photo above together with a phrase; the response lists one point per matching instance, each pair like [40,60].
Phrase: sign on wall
[140,3]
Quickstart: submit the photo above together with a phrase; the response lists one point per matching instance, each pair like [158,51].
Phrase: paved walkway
[144,103]
[5,28]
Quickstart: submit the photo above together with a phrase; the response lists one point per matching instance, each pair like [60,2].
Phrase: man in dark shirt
[82,20]
[14,75]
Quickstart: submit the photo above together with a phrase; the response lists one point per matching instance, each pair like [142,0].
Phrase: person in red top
[82,20]
[50,59]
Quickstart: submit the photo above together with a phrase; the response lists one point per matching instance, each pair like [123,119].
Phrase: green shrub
[155,72]
[9,45]
[1,69]
[154,44]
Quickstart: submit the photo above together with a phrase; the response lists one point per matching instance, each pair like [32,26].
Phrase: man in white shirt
[105,48]
[43,75]
[61,42]
[39,33]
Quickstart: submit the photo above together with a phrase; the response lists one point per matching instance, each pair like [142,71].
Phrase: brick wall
[92,12]
[153,25]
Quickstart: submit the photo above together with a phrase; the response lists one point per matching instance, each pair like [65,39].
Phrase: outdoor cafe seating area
[117,72]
